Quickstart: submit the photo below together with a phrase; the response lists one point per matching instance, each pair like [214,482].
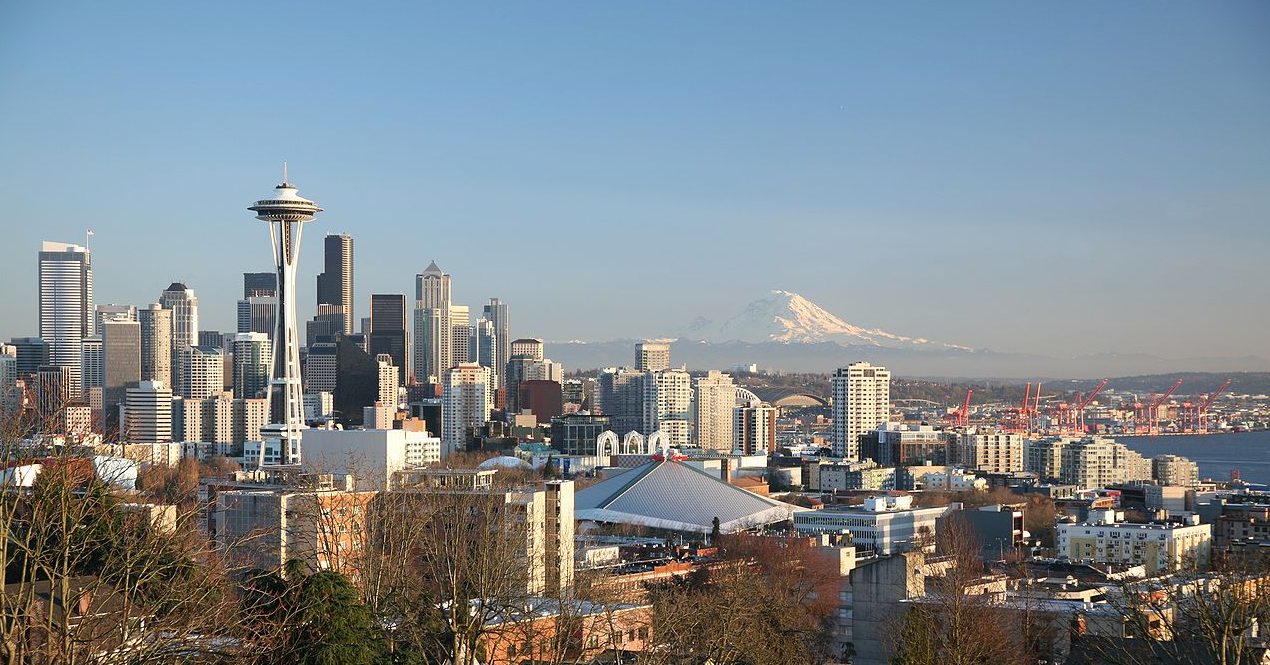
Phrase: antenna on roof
[284,172]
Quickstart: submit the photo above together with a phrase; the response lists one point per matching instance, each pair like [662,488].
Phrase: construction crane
[1084,403]
[1201,410]
[1150,411]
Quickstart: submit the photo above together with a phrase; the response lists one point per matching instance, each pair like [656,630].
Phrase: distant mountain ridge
[784,331]
[787,317]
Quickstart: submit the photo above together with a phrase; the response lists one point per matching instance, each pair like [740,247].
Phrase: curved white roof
[678,497]
[503,462]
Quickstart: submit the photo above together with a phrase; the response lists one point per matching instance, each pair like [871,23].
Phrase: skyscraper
[286,212]
[147,413]
[432,292]
[253,356]
[389,381]
[497,314]
[388,328]
[10,396]
[652,356]
[92,364]
[200,372]
[426,351]
[121,341]
[529,346]
[52,390]
[33,352]
[184,305]
[861,402]
[66,307]
[258,314]
[713,401]
[466,402]
[156,344]
[668,405]
[257,284]
[329,321]
[460,322]
[484,350]
[335,283]
[754,426]
[112,312]
[620,393]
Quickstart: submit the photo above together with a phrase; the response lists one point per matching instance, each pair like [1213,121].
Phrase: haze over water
[1216,454]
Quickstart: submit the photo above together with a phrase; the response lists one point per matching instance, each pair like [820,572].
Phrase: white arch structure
[605,445]
[659,442]
[634,444]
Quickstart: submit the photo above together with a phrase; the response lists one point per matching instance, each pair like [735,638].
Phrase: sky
[1056,178]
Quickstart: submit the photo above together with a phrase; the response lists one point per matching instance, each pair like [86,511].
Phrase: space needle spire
[286,213]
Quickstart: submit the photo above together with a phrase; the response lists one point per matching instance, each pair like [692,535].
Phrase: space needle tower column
[285,212]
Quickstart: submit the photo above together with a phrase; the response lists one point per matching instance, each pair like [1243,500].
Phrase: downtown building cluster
[425,406]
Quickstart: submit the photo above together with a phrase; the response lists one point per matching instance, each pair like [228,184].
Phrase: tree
[89,579]
[714,531]
[958,622]
[333,627]
[768,601]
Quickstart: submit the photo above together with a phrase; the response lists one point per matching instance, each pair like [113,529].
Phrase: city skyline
[1122,196]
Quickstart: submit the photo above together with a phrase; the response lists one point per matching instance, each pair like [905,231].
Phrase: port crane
[1078,415]
[1148,413]
[960,417]
[1195,416]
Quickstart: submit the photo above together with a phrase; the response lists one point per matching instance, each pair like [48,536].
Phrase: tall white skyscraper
[652,356]
[432,292]
[183,304]
[668,405]
[92,363]
[200,372]
[66,306]
[861,402]
[713,401]
[147,414]
[286,212]
[460,322]
[156,344]
[466,402]
[389,384]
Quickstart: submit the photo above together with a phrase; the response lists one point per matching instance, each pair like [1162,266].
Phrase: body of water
[1216,454]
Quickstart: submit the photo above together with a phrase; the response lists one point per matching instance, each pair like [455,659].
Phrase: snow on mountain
[783,316]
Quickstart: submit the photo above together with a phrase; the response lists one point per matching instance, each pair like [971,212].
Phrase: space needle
[286,212]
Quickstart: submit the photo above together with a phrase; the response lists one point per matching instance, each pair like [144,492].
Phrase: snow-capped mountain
[786,317]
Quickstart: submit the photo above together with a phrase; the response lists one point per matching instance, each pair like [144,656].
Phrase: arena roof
[788,397]
[677,497]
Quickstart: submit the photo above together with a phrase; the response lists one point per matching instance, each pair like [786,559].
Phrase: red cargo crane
[1084,403]
[963,414]
[1201,410]
[1017,418]
[1151,417]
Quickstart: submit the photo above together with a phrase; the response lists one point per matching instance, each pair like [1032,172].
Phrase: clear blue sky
[1050,177]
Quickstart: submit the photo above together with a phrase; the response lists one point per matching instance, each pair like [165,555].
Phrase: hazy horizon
[1023,178]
